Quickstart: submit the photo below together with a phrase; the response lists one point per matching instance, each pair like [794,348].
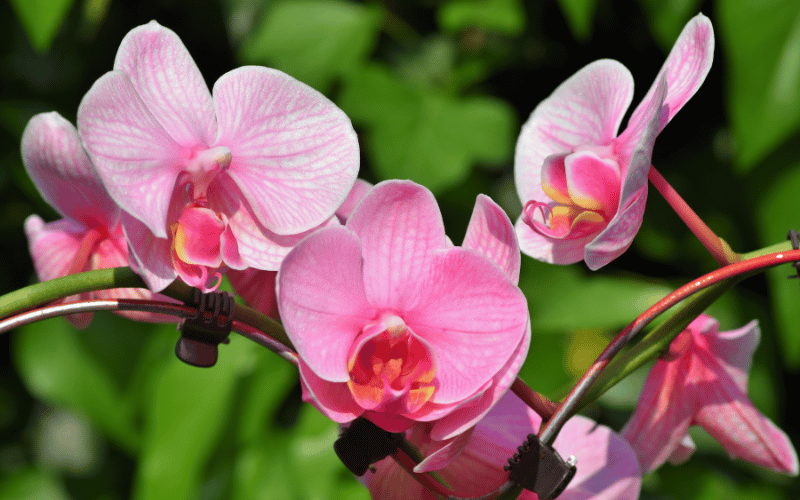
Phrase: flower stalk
[732,272]
[718,248]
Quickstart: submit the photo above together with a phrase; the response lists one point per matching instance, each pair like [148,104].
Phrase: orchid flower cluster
[390,321]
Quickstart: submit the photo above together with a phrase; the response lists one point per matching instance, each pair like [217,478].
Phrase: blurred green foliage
[437,90]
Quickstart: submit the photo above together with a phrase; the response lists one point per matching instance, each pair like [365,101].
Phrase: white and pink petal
[169,83]
[294,153]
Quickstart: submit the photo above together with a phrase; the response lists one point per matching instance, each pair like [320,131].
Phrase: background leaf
[502,16]
[776,219]
[41,19]
[762,41]
[579,15]
[332,39]
[423,135]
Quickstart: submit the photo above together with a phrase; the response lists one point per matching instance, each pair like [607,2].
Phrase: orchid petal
[685,69]
[60,168]
[466,416]
[683,452]
[467,305]
[332,399]
[400,227]
[169,83]
[663,414]
[294,154]
[136,159]
[53,246]
[444,452]
[257,288]
[617,236]
[726,413]
[554,179]
[607,468]
[322,302]
[586,109]
[150,257]
[197,236]
[734,349]
[491,233]
[635,146]
[359,189]
[553,251]
[256,246]
[593,182]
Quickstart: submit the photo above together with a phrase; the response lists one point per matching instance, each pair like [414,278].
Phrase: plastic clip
[202,334]
[363,443]
[540,469]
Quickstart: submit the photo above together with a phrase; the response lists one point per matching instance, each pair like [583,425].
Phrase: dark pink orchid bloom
[584,187]
[392,322]
[702,380]
[209,182]
[607,468]
[89,236]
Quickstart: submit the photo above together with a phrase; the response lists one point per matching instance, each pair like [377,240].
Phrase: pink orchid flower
[89,236]
[702,380]
[257,287]
[392,322]
[584,187]
[209,183]
[606,470]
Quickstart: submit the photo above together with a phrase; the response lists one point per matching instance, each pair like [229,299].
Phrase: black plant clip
[202,334]
[364,443]
[795,239]
[539,468]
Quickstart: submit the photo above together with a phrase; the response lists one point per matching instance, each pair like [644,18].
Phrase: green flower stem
[48,291]
[658,340]
[122,277]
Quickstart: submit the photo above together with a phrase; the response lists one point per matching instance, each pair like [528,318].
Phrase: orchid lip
[391,367]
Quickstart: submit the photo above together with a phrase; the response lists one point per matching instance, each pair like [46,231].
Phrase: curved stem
[738,270]
[720,250]
[123,277]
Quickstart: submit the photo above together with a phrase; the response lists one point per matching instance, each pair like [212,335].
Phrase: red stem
[711,241]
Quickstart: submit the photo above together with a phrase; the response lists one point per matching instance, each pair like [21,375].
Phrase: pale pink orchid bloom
[210,182]
[702,380]
[89,236]
[257,287]
[392,322]
[583,186]
[606,469]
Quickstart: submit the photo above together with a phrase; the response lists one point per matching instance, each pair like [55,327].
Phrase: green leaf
[667,19]
[57,368]
[41,19]
[580,15]
[186,414]
[425,135]
[301,464]
[763,49]
[332,40]
[31,484]
[502,16]
[777,213]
